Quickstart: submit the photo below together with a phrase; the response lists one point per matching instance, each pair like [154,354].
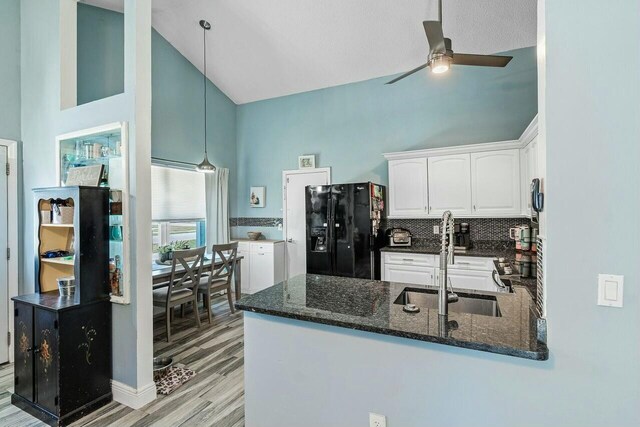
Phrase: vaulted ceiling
[259,49]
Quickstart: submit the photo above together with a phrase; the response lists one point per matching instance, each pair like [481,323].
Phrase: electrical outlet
[279,227]
[377,420]
[436,229]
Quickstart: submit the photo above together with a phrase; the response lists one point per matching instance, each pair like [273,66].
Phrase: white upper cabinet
[408,188]
[528,171]
[495,178]
[449,184]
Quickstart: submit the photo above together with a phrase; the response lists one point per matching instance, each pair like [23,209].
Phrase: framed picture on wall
[308,161]
[256,198]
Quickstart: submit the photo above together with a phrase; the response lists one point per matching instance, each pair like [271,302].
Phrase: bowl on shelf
[254,235]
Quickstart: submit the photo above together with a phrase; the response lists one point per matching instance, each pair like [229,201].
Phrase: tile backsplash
[489,232]
[482,229]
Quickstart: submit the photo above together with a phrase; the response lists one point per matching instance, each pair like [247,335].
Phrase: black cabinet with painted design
[62,359]
[62,344]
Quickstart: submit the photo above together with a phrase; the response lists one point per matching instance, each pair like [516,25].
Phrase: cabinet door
[449,184]
[471,279]
[245,278]
[23,351]
[408,188]
[525,180]
[496,182]
[261,270]
[409,274]
[46,359]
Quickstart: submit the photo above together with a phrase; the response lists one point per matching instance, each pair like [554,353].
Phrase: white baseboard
[131,397]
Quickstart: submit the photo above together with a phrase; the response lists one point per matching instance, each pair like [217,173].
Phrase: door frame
[12,230]
[285,173]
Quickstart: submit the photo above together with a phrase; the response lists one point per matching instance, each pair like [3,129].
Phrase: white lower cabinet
[262,265]
[409,274]
[479,280]
[474,273]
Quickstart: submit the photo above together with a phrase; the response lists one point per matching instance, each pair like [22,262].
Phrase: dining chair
[220,278]
[183,284]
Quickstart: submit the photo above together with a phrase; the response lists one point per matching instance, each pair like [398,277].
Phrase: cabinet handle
[474,207]
[407,259]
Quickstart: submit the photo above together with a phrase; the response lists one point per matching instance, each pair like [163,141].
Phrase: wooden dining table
[161,273]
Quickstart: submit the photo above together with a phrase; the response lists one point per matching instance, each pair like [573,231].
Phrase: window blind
[177,194]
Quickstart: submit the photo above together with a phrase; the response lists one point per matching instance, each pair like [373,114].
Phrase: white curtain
[217,200]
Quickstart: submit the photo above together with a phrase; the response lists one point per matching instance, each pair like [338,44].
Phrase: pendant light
[205,166]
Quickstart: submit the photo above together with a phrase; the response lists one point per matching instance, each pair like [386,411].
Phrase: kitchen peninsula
[314,342]
[374,306]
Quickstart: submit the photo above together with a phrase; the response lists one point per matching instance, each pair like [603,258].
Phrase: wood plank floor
[215,396]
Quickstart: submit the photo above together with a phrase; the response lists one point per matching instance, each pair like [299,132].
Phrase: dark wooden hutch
[62,345]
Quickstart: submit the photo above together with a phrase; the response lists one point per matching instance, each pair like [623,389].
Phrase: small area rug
[172,378]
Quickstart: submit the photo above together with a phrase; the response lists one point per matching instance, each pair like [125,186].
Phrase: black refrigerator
[343,229]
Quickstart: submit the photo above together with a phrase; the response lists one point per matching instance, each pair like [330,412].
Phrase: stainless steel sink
[483,305]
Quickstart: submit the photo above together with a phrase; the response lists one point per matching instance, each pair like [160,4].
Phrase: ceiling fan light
[440,64]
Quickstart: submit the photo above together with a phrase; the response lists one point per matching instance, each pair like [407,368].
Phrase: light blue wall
[318,375]
[100,53]
[178,116]
[177,109]
[10,69]
[349,127]
[42,120]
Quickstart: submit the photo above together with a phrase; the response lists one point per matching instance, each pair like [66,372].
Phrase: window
[178,207]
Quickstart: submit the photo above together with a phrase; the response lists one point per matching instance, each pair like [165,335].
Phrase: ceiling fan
[441,57]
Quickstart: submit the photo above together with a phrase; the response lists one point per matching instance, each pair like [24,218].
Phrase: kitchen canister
[62,214]
[45,217]
[66,286]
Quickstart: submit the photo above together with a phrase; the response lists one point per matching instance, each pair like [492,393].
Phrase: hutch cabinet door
[23,351]
[46,355]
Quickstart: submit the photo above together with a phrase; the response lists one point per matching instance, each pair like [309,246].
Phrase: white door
[408,188]
[449,184]
[295,224]
[4,270]
[496,182]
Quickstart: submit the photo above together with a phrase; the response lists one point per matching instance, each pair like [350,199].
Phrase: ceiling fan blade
[433,30]
[407,74]
[481,60]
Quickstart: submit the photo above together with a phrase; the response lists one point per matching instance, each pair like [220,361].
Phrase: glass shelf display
[106,146]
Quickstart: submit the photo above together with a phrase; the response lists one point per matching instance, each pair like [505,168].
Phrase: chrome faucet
[446,257]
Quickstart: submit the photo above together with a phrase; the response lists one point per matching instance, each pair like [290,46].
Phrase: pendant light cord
[204,81]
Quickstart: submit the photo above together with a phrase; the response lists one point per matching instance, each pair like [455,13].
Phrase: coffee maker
[461,236]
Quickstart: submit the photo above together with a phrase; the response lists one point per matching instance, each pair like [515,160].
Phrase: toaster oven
[399,237]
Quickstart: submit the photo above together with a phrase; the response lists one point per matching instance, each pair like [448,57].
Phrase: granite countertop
[368,305]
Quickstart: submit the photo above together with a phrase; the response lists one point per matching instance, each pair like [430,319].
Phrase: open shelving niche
[70,152]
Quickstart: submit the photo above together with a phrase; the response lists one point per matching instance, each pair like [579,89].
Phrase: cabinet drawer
[261,248]
[469,279]
[409,274]
[407,258]
[473,263]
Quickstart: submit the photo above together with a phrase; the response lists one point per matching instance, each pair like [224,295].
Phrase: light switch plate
[610,290]
[436,229]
